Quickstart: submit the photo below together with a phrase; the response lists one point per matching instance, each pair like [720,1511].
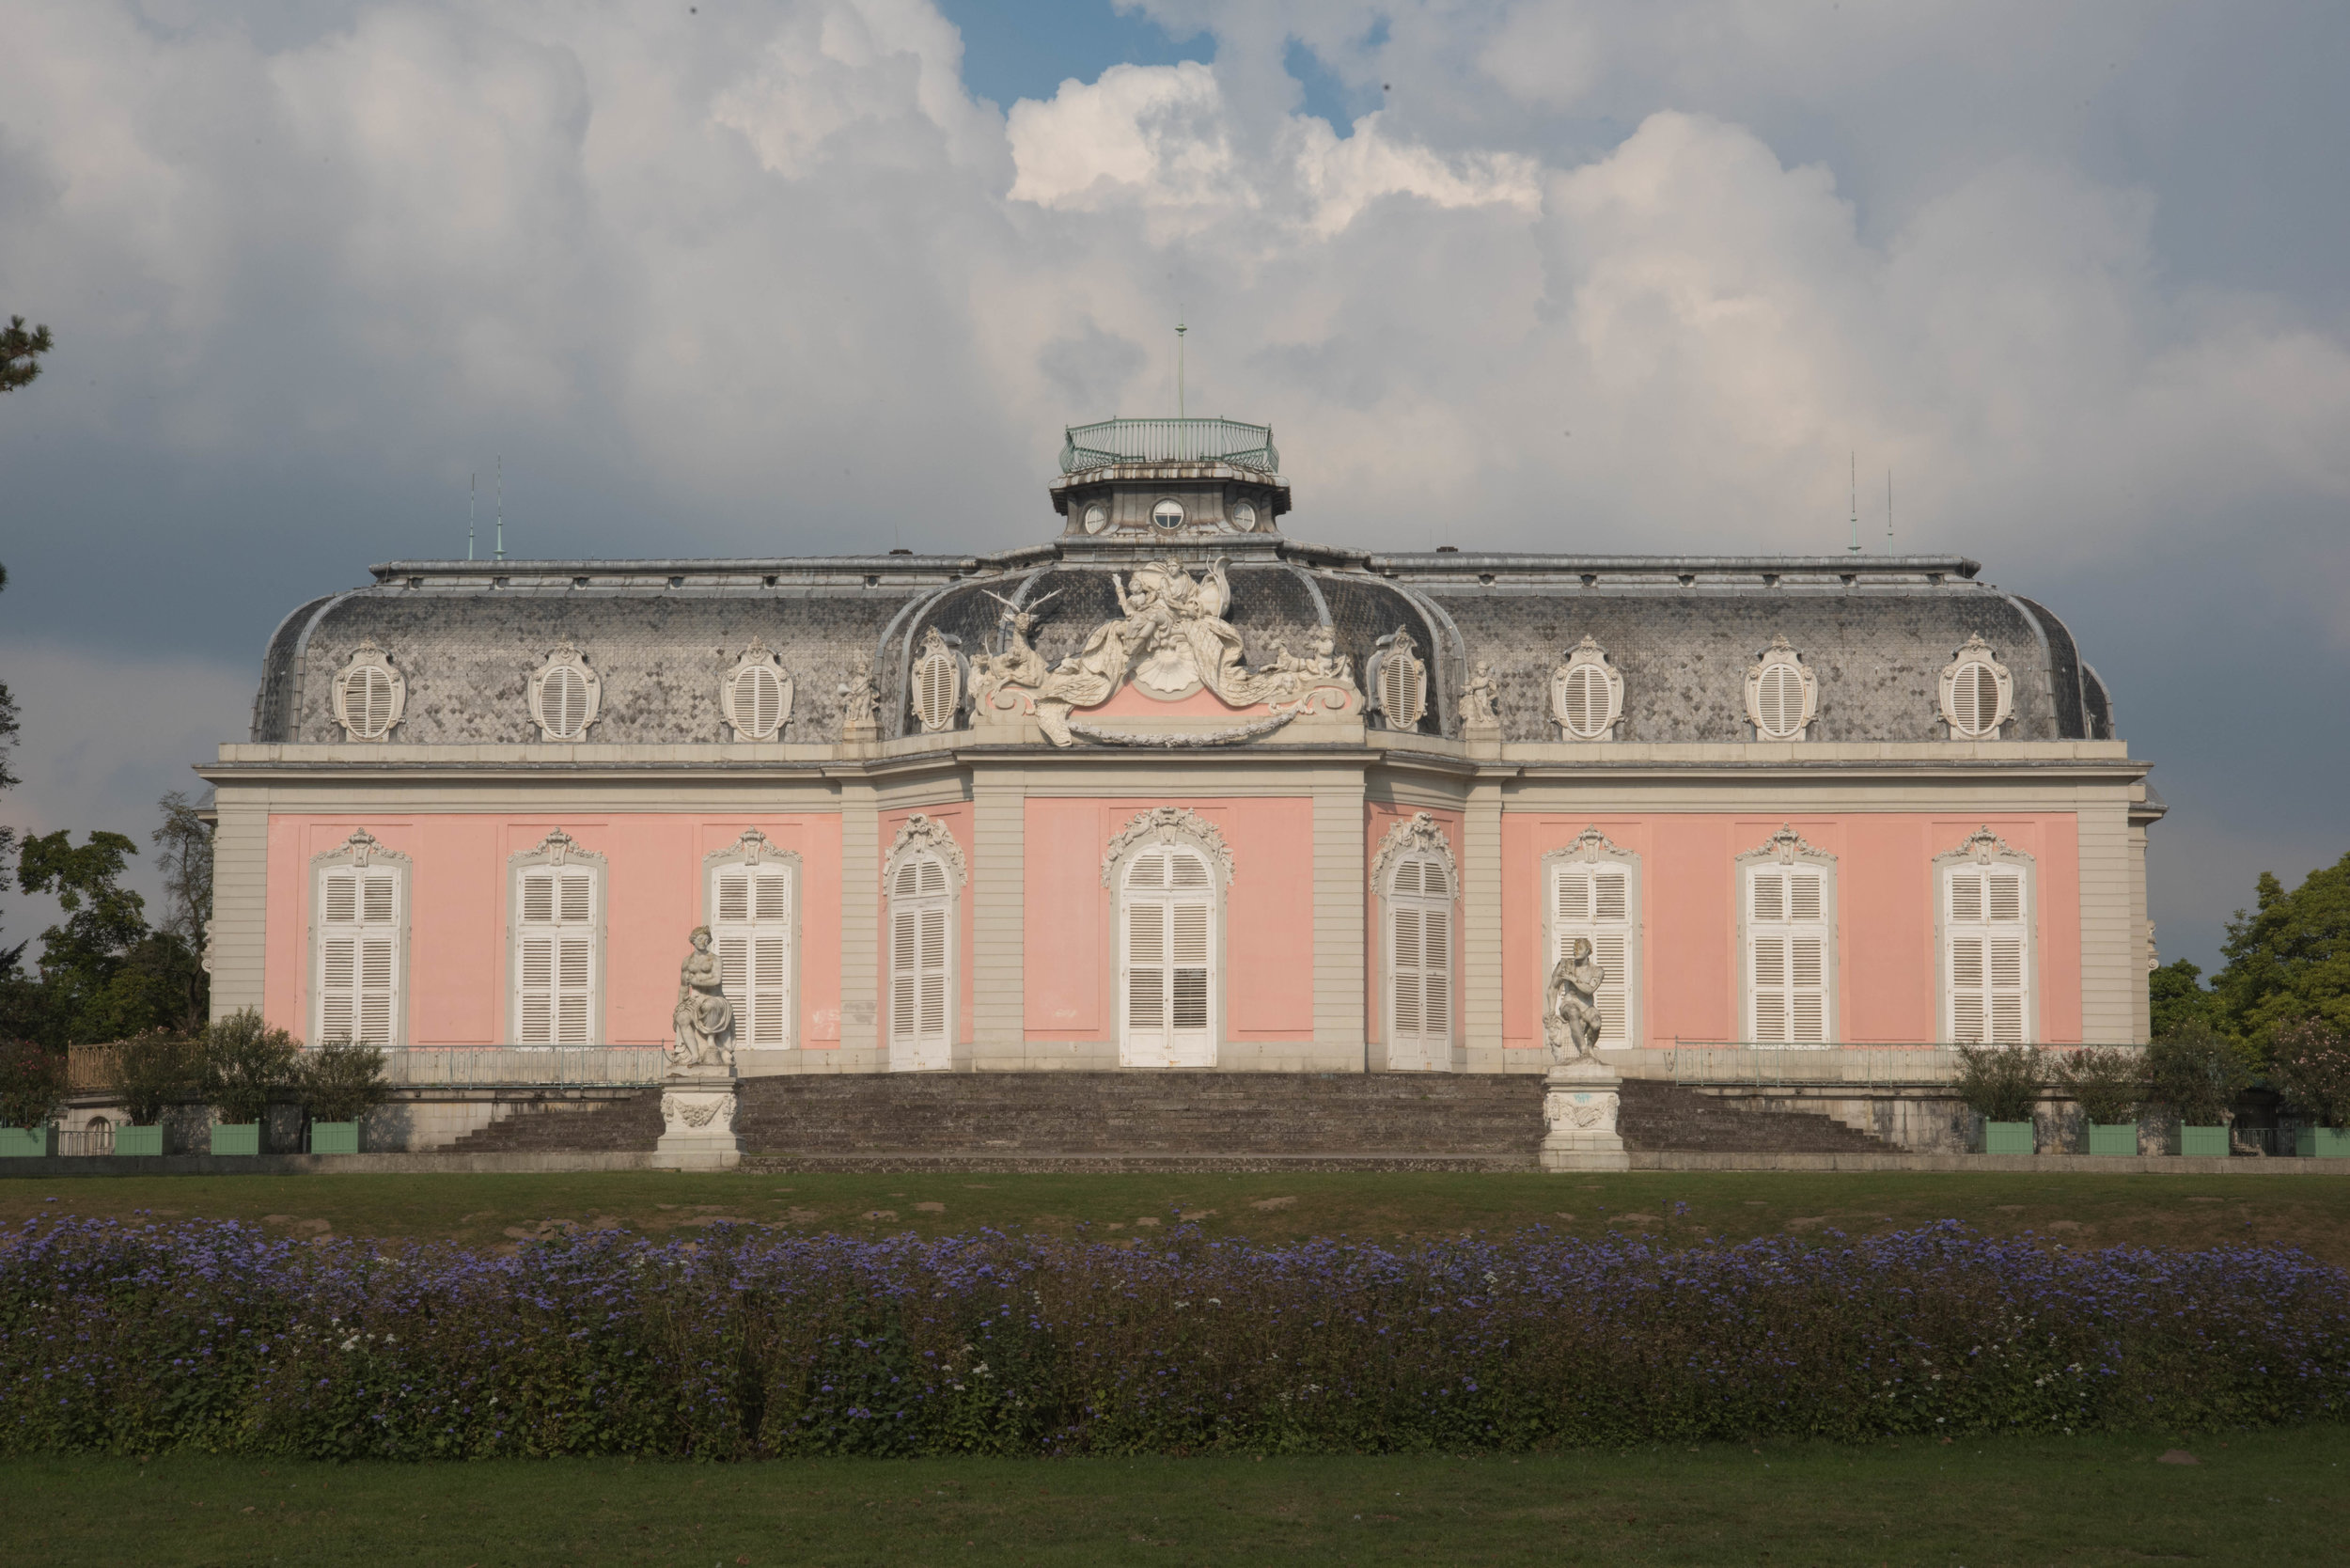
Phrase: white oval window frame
[364,658]
[565,657]
[756,657]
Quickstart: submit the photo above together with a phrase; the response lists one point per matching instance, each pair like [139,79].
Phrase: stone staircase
[1660,1117]
[1163,1121]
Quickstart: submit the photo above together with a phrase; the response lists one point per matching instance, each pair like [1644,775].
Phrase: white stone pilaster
[1340,901]
[998,914]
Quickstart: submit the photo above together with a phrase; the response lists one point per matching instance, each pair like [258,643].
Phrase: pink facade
[460,911]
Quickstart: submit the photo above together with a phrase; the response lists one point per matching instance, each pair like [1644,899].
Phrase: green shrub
[151,1072]
[2195,1073]
[340,1081]
[246,1065]
[32,1084]
[2000,1083]
[2309,1064]
[2108,1082]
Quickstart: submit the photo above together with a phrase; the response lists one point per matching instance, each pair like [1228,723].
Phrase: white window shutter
[1594,902]
[1789,931]
[556,955]
[358,976]
[753,929]
[1406,951]
[1987,956]
[920,955]
[1169,958]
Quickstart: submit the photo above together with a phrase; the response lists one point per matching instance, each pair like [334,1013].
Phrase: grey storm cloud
[767,278]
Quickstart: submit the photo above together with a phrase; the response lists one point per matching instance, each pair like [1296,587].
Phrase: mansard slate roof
[1876,632]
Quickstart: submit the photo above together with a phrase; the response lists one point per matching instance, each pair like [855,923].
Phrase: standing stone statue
[704,1017]
[860,704]
[1571,1016]
[1479,694]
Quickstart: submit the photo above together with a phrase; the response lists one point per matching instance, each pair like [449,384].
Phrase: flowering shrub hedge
[132,1338]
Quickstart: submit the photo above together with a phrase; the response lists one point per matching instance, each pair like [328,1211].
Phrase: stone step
[1666,1117]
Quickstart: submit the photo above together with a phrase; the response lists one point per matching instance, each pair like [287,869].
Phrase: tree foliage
[2108,1082]
[152,1071]
[340,1081]
[2000,1083]
[21,352]
[2195,1073]
[2289,957]
[246,1066]
[32,1083]
[2309,1064]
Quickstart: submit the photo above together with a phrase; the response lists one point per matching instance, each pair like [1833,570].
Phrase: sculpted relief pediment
[1170,642]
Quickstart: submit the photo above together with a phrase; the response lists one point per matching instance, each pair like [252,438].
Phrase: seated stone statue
[704,1017]
[1571,1015]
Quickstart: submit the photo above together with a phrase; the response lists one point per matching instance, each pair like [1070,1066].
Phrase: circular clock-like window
[1097,518]
[1244,517]
[1168,514]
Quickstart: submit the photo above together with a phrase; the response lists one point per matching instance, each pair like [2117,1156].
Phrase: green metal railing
[1116,440]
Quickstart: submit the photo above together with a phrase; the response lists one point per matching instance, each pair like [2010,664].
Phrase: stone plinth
[698,1120]
[1579,1103]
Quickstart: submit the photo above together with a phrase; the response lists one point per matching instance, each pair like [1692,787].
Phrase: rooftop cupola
[1125,480]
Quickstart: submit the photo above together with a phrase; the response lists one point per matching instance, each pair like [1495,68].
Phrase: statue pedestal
[1579,1102]
[698,1120]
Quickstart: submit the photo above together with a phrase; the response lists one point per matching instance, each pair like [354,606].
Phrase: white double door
[1167,968]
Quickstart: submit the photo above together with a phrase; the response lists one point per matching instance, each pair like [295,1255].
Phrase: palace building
[1170,789]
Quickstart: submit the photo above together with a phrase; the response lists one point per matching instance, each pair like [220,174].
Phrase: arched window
[1420,891]
[1986,919]
[1977,693]
[924,871]
[1787,907]
[1169,922]
[1593,892]
[936,682]
[758,695]
[754,929]
[565,694]
[359,933]
[558,944]
[368,695]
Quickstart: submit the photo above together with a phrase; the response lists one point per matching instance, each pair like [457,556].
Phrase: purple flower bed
[750,1343]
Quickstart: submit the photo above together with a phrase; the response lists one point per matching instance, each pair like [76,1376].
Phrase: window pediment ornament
[750,848]
[1398,680]
[935,681]
[1977,692]
[922,832]
[1782,694]
[1983,847]
[755,694]
[369,694]
[558,848]
[1419,834]
[361,849]
[1787,846]
[1169,824]
[1587,694]
[1592,846]
[565,695]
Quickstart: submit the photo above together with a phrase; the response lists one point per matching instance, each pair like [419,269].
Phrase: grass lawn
[2268,1498]
[2309,1212]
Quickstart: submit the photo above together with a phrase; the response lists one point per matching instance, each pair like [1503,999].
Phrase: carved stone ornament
[1480,694]
[1572,1021]
[1170,641]
[1591,846]
[1586,694]
[1169,825]
[704,1112]
[926,833]
[755,694]
[1398,678]
[1786,846]
[1782,694]
[935,682]
[370,695]
[565,695]
[1977,693]
[361,849]
[860,705]
[751,848]
[1586,1112]
[1419,834]
[558,846]
[1982,846]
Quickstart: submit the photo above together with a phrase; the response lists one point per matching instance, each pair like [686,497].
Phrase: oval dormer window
[1977,693]
[758,695]
[368,695]
[1244,517]
[1097,518]
[564,696]
[1168,514]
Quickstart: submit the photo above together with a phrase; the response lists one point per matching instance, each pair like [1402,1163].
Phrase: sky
[736,278]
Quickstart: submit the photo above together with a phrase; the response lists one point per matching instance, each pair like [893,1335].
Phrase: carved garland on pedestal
[1419,834]
[926,833]
[1169,825]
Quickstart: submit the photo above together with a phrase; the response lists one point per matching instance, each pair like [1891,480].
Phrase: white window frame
[558,855]
[1395,681]
[1784,851]
[565,657]
[1781,656]
[1977,655]
[368,659]
[934,683]
[923,839]
[360,855]
[1587,655]
[1158,827]
[1419,843]
[754,854]
[757,659]
[1594,853]
[1983,853]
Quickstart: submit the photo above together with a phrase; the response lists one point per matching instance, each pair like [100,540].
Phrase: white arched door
[921,968]
[1168,960]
